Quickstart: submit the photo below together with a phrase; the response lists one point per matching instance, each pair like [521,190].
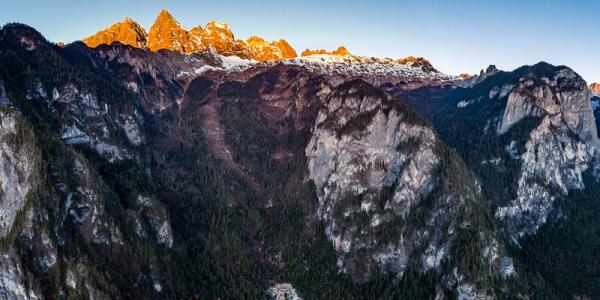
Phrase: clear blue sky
[456,36]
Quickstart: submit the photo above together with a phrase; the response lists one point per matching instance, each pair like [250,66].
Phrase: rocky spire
[167,33]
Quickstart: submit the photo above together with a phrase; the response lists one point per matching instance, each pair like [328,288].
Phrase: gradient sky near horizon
[456,36]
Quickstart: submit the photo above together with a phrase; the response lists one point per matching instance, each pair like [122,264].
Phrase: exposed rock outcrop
[218,36]
[167,33]
[373,164]
[565,94]
[18,167]
[85,207]
[467,81]
[287,51]
[262,50]
[558,151]
[87,121]
[155,215]
[127,32]
[14,283]
[283,291]
[19,180]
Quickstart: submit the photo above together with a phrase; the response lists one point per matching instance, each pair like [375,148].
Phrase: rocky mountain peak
[491,69]
[262,50]
[467,80]
[219,36]
[595,89]
[127,32]
[167,33]
[286,49]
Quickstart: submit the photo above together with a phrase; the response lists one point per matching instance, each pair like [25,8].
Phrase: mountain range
[167,34]
[188,164]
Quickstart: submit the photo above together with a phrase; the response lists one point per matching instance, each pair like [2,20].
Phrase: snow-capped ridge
[168,34]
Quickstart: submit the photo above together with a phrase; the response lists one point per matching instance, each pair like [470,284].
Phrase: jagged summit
[168,34]
[127,32]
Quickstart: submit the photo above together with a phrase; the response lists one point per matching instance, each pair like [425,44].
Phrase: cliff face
[375,165]
[20,180]
[558,151]
[56,203]
[18,167]
[565,93]
[540,122]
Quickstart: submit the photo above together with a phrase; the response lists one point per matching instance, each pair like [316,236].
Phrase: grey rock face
[132,130]
[553,160]
[350,161]
[85,206]
[18,162]
[373,164]
[559,150]
[39,240]
[156,216]
[566,94]
[13,278]
[79,281]
[88,122]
